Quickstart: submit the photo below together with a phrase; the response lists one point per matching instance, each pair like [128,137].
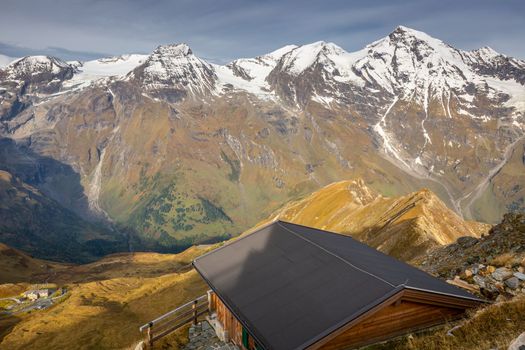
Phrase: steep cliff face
[185,151]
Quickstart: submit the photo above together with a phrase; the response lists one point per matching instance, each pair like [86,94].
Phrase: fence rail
[174,319]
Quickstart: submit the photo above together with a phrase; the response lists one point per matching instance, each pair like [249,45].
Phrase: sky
[223,30]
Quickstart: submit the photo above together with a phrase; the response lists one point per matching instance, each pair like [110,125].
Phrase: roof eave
[239,318]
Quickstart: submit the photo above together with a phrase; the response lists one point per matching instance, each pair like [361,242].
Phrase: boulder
[520,276]
[480,281]
[513,283]
[501,274]
[476,268]
[518,343]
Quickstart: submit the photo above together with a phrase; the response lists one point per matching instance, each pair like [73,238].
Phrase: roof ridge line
[246,233]
[336,256]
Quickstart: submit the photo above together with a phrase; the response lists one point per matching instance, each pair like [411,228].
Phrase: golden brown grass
[108,301]
[404,227]
[12,289]
[20,267]
[506,259]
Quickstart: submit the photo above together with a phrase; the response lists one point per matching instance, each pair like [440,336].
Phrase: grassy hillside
[20,267]
[404,226]
[108,300]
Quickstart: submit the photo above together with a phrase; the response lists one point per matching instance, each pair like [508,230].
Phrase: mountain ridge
[405,227]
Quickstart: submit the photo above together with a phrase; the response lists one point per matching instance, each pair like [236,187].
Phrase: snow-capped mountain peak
[175,67]
[406,32]
[407,63]
[486,53]
[303,57]
[277,54]
[173,50]
[29,66]
[258,68]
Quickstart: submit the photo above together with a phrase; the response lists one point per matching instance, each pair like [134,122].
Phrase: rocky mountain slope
[182,151]
[39,225]
[405,227]
[492,265]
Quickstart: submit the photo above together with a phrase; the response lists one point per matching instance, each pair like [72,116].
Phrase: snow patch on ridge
[250,74]
[90,71]
[388,143]
[94,187]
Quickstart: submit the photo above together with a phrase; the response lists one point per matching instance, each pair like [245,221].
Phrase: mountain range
[172,150]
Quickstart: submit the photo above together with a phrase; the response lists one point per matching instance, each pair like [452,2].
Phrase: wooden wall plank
[391,321]
[228,321]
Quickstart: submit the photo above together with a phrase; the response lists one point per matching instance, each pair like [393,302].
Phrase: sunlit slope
[404,226]
[108,300]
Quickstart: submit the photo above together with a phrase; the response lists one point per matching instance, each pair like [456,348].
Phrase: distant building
[38,293]
[31,295]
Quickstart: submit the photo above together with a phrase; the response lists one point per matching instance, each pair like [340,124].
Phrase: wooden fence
[173,320]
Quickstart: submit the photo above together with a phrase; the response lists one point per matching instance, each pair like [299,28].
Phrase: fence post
[209,301]
[194,307]
[150,335]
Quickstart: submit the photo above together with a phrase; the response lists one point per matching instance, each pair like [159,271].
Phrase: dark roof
[291,285]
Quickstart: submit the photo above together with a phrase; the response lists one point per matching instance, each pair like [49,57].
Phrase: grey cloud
[226,29]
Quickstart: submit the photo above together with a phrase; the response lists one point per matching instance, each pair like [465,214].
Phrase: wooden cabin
[288,286]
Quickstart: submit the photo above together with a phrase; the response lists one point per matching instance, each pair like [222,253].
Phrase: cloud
[228,29]
[65,54]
